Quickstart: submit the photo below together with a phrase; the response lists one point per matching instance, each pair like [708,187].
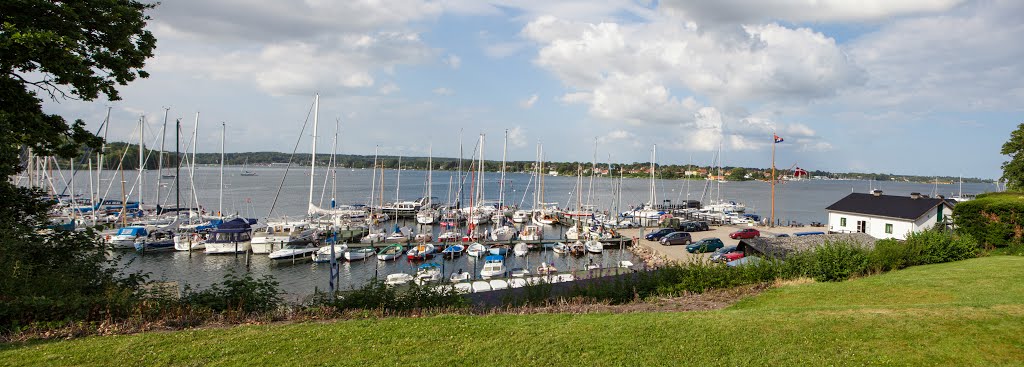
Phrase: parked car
[733,256]
[746,260]
[657,235]
[705,245]
[745,233]
[782,235]
[719,254]
[694,226]
[676,238]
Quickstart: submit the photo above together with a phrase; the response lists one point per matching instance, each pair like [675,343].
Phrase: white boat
[545,217]
[463,288]
[577,248]
[503,233]
[519,272]
[594,247]
[398,279]
[560,248]
[423,237]
[400,235]
[359,253]
[392,252]
[532,233]
[428,273]
[422,251]
[521,216]
[230,237]
[277,235]
[625,264]
[126,236]
[498,284]
[449,236]
[295,252]
[375,237]
[521,249]
[516,283]
[494,266]
[476,250]
[184,240]
[460,276]
[573,233]
[426,216]
[481,286]
[323,254]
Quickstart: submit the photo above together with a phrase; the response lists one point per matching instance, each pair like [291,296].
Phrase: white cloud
[503,49]
[517,136]
[529,102]
[743,11]
[443,91]
[388,88]
[453,61]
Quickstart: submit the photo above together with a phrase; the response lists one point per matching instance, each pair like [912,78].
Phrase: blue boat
[453,251]
[494,266]
[156,241]
[498,250]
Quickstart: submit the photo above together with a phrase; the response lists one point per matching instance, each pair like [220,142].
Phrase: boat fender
[108,238]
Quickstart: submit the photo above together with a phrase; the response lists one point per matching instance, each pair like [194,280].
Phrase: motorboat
[521,216]
[421,252]
[560,248]
[426,216]
[498,284]
[278,235]
[519,272]
[392,252]
[521,249]
[453,251]
[545,217]
[126,236]
[593,266]
[594,246]
[323,254]
[428,273]
[503,233]
[545,269]
[494,266]
[463,288]
[398,279]
[476,250]
[532,233]
[577,248]
[295,252]
[481,286]
[359,253]
[460,276]
[161,240]
[231,237]
[626,264]
[500,250]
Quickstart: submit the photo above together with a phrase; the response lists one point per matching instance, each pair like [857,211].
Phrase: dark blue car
[657,235]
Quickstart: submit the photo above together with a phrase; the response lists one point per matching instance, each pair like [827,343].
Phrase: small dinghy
[398,279]
[546,268]
[481,286]
[453,251]
[428,273]
[294,252]
[519,272]
[476,250]
[323,255]
[421,252]
[359,253]
[498,284]
[500,250]
[594,247]
[460,276]
[521,249]
[393,251]
[560,248]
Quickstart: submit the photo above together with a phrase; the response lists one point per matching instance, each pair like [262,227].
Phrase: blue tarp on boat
[237,225]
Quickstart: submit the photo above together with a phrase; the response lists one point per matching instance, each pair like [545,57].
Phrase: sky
[907,87]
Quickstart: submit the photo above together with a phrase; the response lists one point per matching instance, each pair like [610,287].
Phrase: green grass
[964,313]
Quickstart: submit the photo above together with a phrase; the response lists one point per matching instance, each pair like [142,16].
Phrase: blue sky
[910,87]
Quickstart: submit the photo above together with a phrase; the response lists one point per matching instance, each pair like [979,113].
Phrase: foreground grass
[964,313]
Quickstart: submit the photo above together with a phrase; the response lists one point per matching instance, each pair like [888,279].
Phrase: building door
[862,226]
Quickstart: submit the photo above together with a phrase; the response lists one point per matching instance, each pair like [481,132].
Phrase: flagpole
[774,141]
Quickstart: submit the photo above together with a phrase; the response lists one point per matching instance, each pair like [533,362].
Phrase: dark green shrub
[376,295]
[932,247]
[237,294]
[837,261]
[993,219]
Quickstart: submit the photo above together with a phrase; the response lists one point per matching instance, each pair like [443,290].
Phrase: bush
[939,247]
[837,261]
[236,294]
[994,219]
[376,295]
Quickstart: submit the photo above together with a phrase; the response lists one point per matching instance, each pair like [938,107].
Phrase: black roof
[904,207]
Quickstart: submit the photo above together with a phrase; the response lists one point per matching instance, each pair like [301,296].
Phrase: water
[800,201]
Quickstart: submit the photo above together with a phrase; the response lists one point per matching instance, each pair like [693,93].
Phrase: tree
[1013,170]
[60,50]
[738,174]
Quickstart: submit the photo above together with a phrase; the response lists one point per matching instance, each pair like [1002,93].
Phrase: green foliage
[738,174]
[236,294]
[838,261]
[1013,170]
[379,296]
[993,219]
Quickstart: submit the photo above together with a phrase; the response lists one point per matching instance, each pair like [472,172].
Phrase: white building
[887,216]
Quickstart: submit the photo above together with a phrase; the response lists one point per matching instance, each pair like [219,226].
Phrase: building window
[888,228]
[842,222]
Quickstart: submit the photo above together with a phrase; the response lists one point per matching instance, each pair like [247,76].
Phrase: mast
[192,169]
[373,179]
[654,157]
[177,168]
[501,185]
[398,183]
[593,172]
[430,175]
[160,161]
[774,141]
[99,156]
[223,132]
[459,205]
[312,164]
[142,149]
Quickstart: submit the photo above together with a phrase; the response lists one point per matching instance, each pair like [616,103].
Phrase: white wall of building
[875,225]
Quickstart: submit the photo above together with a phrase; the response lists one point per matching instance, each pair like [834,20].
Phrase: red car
[733,256]
[745,233]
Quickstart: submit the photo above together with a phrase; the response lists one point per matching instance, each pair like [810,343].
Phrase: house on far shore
[887,216]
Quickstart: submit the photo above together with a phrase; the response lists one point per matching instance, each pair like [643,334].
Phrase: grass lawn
[963,313]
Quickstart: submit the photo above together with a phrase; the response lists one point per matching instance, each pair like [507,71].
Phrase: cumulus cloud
[443,91]
[529,102]
[453,61]
[517,137]
[388,88]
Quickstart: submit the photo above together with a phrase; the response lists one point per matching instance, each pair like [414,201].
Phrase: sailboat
[427,214]
[245,171]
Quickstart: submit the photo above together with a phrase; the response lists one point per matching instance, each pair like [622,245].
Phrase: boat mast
[99,156]
[192,169]
[501,185]
[160,161]
[430,175]
[142,149]
[593,172]
[373,177]
[654,158]
[177,169]
[223,132]
[312,164]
